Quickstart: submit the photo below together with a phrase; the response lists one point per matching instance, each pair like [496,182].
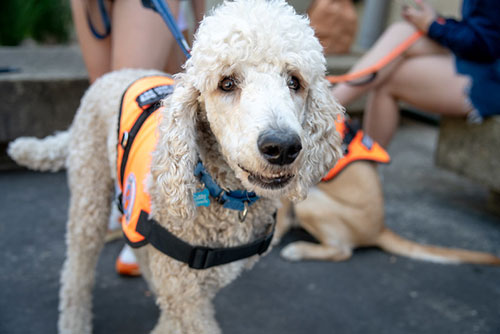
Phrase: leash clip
[243,214]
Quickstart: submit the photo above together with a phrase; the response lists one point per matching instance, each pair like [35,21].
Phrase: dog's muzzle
[273,181]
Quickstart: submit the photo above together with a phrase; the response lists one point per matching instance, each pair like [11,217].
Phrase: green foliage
[46,21]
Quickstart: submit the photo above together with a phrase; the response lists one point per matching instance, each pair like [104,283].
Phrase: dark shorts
[485,85]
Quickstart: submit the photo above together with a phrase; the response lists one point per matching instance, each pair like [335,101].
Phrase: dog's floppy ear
[321,142]
[175,156]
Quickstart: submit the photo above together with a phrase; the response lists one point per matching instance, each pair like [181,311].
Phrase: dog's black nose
[279,147]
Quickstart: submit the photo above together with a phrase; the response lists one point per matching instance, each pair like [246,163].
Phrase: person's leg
[96,52]
[429,83]
[391,38]
[141,38]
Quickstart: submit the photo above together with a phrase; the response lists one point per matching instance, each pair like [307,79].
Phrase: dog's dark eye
[227,84]
[293,83]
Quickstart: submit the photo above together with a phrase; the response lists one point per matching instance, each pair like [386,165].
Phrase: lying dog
[347,212]
[249,121]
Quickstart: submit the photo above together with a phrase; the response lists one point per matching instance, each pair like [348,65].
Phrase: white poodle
[252,105]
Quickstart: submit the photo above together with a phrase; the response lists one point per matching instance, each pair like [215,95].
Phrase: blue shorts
[485,86]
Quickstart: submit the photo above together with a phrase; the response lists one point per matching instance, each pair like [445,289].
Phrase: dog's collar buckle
[220,198]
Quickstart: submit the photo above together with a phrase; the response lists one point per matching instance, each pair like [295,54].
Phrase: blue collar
[229,199]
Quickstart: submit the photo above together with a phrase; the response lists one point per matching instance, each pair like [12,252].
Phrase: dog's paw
[291,253]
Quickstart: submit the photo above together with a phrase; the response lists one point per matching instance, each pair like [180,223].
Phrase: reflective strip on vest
[134,196]
[361,147]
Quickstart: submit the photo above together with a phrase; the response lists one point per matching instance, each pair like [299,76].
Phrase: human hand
[420,16]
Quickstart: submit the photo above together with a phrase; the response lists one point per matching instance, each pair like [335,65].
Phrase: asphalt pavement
[374,292]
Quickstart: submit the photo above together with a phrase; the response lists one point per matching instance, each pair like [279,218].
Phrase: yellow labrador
[348,212]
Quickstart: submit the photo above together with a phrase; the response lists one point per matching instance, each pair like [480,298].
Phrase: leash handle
[372,70]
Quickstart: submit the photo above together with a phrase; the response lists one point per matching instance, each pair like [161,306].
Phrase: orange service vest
[137,137]
[358,146]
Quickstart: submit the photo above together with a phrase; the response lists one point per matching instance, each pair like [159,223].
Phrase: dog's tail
[47,154]
[393,243]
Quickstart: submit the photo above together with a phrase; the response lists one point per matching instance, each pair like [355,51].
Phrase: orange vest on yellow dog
[358,147]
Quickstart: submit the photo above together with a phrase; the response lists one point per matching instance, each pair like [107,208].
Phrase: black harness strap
[127,142]
[197,257]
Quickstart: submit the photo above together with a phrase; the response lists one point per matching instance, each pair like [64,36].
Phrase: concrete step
[43,92]
[472,150]
[40,94]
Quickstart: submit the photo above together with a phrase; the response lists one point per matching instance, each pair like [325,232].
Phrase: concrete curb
[42,95]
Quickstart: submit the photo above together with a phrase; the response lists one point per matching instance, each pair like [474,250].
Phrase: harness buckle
[200,257]
[124,140]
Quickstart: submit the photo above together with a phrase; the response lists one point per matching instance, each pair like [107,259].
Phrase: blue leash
[105,21]
[161,7]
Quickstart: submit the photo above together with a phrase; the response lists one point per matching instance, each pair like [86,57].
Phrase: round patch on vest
[129,197]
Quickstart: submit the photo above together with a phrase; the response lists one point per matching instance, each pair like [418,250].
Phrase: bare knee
[399,29]
[388,88]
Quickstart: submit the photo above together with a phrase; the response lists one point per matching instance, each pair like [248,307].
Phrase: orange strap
[360,147]
[381,63]
[358,151]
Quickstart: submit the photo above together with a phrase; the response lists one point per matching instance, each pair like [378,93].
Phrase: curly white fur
[260,45]
[32,152]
